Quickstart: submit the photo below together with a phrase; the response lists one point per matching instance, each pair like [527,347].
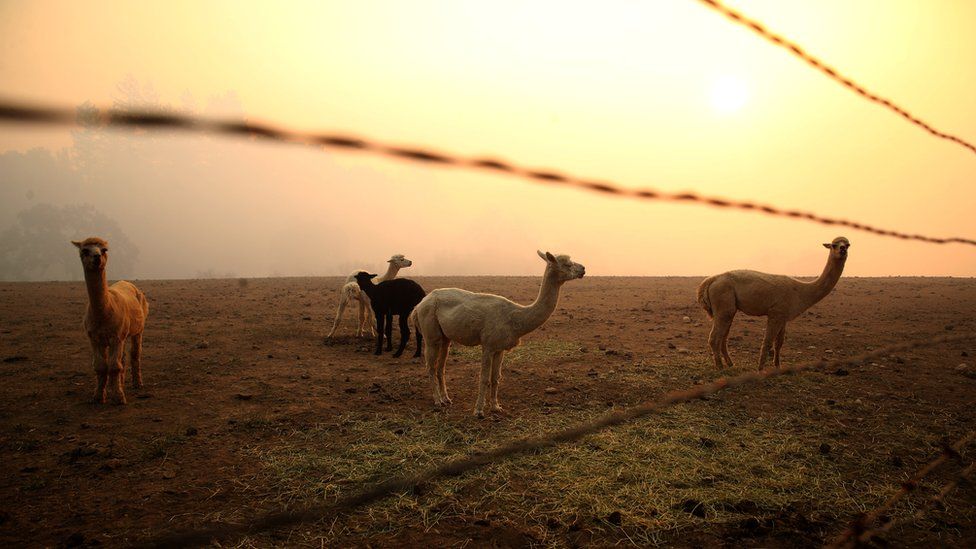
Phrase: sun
[729,94]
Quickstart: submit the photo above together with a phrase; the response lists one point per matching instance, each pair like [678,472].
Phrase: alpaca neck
[531,317]
[819,288]
[368,288]
[390,273]
[97,292]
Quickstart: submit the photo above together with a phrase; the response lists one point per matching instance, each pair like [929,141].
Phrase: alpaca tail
[703,300]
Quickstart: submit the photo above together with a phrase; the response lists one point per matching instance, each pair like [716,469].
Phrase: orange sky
[667,94]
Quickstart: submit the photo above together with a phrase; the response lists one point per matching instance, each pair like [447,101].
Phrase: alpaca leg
[116,371]
[431,358]
[441,366]
[780,338]
[717,338]
[389,332]
[420,342]
[496,375]
[725,351]
[379,334]
[773,327]
[363,320]
[135,360]
[342,307]
[100,363]
[484,382]
[404,336]
[370,320]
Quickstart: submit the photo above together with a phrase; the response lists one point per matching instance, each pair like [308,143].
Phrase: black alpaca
[392,297]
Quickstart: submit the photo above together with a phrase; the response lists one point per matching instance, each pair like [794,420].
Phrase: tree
[38,247]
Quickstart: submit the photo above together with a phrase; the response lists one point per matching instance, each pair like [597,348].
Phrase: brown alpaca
[115,313]
[777,297]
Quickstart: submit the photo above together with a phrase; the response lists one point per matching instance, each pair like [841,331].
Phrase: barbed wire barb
[32,114]
[831,72]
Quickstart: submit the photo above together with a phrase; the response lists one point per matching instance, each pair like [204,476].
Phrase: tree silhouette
[38,247]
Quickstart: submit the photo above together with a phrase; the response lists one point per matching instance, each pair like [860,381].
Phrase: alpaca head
[364,279]
[562,266]
[400,261]
[93,252]
[838,248]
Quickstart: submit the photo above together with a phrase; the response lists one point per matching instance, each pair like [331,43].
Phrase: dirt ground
[247,409]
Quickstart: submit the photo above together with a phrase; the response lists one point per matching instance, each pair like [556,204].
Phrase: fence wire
[833,73]
[861,530]
[459,466]
[19,112]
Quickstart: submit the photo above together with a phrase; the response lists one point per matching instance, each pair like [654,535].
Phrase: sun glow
[729,94]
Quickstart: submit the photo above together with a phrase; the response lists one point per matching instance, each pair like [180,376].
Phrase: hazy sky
[667,94]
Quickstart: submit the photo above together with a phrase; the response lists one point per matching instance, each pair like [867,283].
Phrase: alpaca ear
[542,255]
[76,243]
[550,257]
[826,245]
[372,276]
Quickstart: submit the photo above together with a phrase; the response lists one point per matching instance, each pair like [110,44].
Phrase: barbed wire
[937,500]
[521,446]
[18,112]
[833,73]
[861,530]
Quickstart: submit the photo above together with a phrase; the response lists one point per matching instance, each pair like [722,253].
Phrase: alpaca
[350,292]
[115,313]
[388,298]
[779,298]
[453,315]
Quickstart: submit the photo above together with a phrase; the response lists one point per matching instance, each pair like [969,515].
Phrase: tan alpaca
[115,313]
[350,292]
[452,315]
[777,297]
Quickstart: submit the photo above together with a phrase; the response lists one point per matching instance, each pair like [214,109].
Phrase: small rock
[551,390]
[686,319]
[243,396]
[671,345]
[683,350]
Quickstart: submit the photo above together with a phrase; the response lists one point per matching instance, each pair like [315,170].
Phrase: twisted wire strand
[15,112]
[462,465]
[962,478]
[860,530]
[831,72]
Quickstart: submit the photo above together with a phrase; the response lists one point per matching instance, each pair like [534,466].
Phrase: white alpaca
[350,292]
[451,315]
[777,297]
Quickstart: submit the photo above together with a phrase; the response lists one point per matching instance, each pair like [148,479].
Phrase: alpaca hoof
[479,414]
[497,409]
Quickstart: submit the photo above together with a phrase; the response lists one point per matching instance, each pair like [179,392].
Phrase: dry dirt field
[248,410]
